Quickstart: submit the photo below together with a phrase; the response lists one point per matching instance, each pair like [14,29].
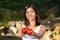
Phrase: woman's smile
[30,17]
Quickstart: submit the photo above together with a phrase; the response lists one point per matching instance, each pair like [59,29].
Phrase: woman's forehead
[30,9]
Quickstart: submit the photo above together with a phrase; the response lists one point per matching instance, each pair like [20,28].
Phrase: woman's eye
[31,11]
[27,12]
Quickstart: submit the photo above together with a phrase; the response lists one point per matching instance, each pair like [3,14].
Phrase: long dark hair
[37,18]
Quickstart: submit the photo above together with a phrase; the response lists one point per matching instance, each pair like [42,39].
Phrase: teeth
[30,16]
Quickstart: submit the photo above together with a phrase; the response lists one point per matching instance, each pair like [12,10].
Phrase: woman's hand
[19,28]
[20,34]
[24,30]
[18,24]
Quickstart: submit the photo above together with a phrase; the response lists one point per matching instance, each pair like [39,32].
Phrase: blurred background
[12,11]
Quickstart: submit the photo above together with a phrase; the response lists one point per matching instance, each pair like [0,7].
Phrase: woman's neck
[32,23]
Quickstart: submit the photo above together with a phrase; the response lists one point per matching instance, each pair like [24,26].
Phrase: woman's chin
[30,19]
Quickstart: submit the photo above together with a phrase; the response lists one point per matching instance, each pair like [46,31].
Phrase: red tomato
[30,31]
[24,30]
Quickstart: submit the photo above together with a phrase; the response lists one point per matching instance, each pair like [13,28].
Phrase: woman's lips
[30,16]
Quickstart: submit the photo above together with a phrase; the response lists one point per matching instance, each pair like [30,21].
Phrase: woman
[32,21]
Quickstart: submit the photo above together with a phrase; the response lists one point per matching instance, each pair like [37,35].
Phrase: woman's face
[30,14]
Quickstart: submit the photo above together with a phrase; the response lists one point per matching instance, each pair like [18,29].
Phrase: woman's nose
[29,13]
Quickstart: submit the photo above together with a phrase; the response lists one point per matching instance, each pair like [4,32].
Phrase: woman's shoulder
[42,27]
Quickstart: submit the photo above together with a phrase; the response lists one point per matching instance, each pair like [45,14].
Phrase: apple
[24,30]
[29,31]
